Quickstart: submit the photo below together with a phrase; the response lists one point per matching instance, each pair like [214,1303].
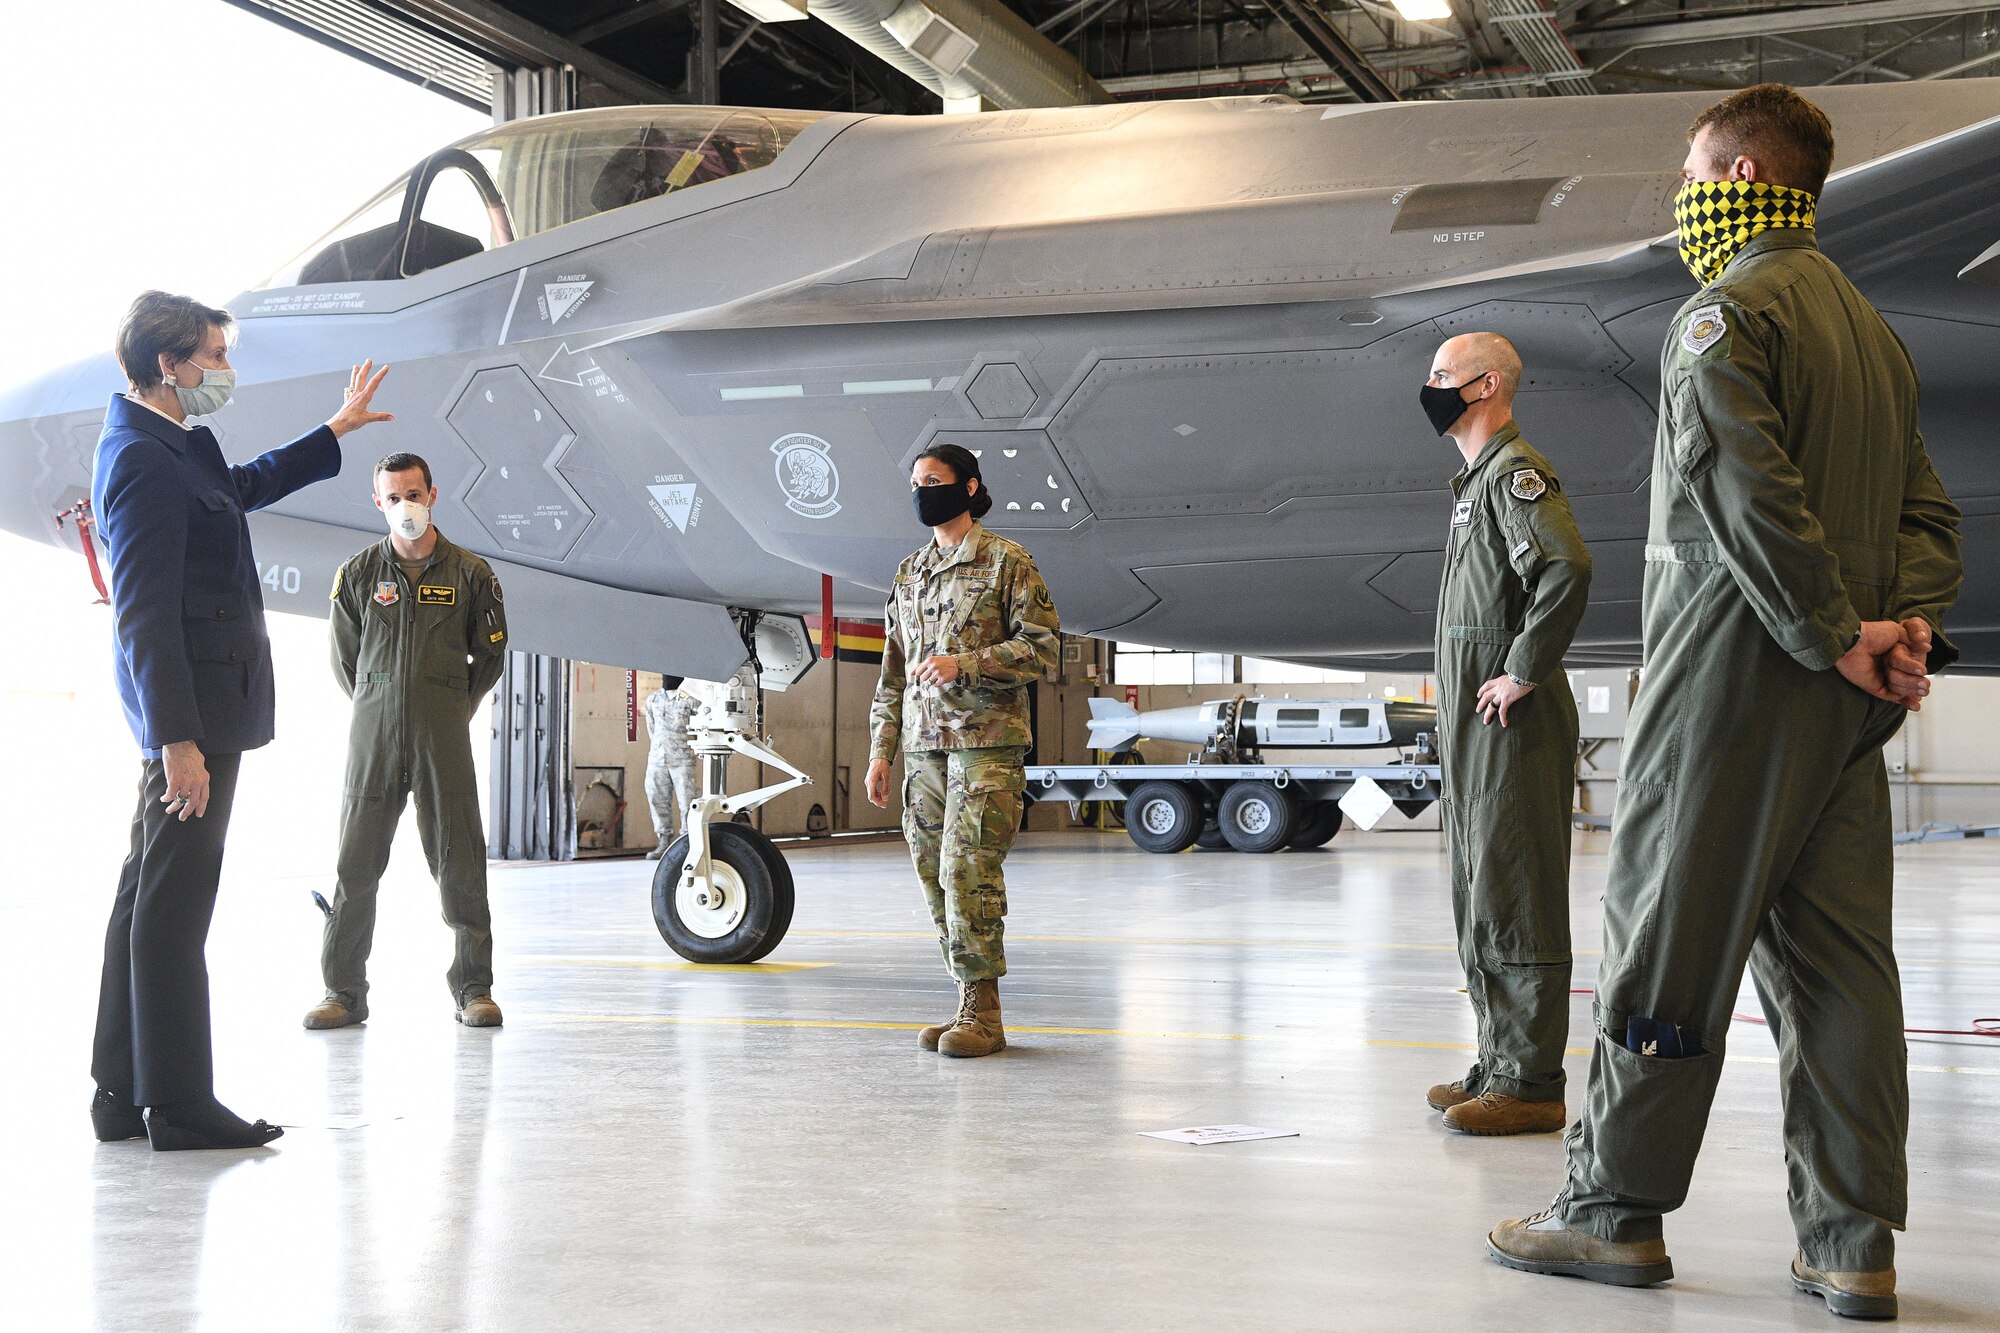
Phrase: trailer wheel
[1256,816]
[1211,839]
[1163,817]
[1318,823]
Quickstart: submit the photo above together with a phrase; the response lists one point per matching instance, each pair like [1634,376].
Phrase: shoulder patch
[334,596]
[1527,484]
[1705,328]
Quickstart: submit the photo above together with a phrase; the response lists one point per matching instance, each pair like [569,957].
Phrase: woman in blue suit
[194,674]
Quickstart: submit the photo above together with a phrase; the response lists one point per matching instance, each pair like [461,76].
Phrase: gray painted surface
[1197,326]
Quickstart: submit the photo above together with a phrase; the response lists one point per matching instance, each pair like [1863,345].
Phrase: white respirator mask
[408,519]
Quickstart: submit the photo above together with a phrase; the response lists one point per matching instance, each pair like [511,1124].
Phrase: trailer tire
[1257,816]
[1163,816]
[1318,824]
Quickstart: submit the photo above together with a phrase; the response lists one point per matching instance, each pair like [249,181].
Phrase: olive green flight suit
[1516,580]
[984,603]
[418,656]
[1792,499]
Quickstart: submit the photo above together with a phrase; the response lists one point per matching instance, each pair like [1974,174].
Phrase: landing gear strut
[722,892]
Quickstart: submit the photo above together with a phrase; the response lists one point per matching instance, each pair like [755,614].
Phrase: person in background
[672,779]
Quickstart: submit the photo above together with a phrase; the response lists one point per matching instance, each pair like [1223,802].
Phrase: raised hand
[354,412]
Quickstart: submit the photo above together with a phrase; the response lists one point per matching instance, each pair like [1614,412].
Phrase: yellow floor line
[1984,1071]
[1142,939]
[852,1025]
[650,966]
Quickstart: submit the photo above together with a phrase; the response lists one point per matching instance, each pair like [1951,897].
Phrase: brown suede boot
[1852,1295]
[978,1030]
[1543,1244]
[1444,1096]
[333,1014]
[479,1011]
[929,1036]
[1492,1113]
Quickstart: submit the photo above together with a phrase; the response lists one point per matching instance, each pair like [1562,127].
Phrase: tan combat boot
[978,1030]
[331,1013]
[929,1036]
[1493,1113]
[1444,1096]
[1543,1244]
[479,1012]
[1853,1295]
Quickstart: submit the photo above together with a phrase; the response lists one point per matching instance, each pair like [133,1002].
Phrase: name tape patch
[431,594]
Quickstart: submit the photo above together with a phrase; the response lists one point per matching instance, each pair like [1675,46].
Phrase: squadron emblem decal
[1461,513]
[807,476]
[386,594]
[1528,485]
[1704,330]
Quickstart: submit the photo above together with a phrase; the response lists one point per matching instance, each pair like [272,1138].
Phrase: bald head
[1470,355]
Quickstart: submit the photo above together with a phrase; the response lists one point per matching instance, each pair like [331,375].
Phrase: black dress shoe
[114,1118]
[183,1126]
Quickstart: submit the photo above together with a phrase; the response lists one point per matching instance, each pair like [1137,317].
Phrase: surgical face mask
[1716,219]
[939,505]
[1443,406]
[217,387]
[408,519]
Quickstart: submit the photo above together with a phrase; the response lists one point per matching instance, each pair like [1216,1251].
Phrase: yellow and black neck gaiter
[1718,218]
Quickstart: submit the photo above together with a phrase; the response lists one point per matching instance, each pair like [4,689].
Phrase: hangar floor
[648,1145]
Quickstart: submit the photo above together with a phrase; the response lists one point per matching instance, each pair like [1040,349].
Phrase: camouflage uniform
[672,781]
[984,603]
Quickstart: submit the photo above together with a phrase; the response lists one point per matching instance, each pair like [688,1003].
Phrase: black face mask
[1443,406]
[939,505]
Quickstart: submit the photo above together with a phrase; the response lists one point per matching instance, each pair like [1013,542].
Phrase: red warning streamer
[79,513]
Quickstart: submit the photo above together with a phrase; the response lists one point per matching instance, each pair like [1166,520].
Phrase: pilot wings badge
[807,475]
[1528,485]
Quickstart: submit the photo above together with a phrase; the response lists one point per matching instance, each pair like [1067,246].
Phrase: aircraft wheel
[1163,817]
[1211,839]
[742,914]
[1257,816]
[1318,823]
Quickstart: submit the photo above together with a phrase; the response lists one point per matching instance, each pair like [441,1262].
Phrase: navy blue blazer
[194,661]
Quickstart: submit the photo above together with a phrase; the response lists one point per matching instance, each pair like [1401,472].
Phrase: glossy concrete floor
[651,1145]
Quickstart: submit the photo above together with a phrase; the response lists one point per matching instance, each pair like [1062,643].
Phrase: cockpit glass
[518,180]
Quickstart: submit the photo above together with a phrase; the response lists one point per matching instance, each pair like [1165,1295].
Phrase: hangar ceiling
[522,56]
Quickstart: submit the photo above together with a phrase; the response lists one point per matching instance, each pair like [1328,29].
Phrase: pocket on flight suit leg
[1647,1154]
[989,815]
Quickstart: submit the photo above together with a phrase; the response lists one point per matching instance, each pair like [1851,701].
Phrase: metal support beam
[1875,61]
[706,84]
[623,19]
[509,39]
[1324,40]
[1963,66]
[1773,23]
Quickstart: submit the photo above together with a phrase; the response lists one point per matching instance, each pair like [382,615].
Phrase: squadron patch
[432,594]
[1705,328]
[1527,484]
[1461,513]
[386,594]
[334,596]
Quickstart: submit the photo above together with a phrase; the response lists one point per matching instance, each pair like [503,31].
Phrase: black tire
[1163,816]
[1318,824]
[765,880]
[1211,839]
[1257,816]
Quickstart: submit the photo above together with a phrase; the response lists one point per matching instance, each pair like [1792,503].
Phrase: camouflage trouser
[672,783]
[961,809]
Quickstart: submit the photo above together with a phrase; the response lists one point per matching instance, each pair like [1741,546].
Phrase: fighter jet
[669,361]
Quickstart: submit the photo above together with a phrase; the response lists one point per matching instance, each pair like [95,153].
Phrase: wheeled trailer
[1250,807]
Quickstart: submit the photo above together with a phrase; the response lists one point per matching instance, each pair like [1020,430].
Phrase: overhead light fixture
[1422,11]
[773,11]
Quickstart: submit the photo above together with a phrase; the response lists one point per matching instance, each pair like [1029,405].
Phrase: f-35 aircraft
[667,361]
